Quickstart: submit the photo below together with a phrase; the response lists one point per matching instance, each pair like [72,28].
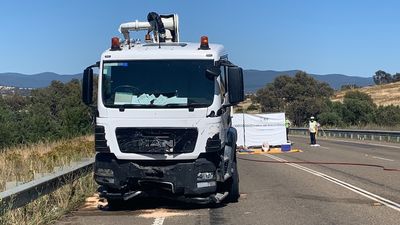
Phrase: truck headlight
[205,176]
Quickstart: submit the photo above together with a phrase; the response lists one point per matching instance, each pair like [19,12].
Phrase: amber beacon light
[115,45]
[204,43]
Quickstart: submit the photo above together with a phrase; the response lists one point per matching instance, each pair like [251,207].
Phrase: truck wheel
[115,204]
[234,185]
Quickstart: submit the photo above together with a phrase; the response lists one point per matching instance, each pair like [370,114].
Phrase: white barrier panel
[255,129]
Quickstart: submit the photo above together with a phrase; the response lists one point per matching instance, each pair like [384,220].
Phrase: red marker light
[204,43]
[115,45]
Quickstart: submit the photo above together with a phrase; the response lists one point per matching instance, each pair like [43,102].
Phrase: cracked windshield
[157,83]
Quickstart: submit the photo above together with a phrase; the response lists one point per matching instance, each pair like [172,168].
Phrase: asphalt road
[285,193]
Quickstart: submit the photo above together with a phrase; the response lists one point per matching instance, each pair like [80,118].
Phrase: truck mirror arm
[97,64]
[224,62]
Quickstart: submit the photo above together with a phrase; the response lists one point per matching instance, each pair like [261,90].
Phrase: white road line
[376,157]
[159,221]
[323,147]
[377,198]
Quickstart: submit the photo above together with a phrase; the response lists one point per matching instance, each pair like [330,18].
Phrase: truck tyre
[115,204]
[234,185]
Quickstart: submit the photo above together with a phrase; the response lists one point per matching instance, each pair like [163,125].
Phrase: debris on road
[270,151]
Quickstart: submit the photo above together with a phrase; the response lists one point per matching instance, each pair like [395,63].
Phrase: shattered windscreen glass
[157,83]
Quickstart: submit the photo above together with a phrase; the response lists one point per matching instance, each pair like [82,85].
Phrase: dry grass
[27,163]
[385,94]
[49,208]
[244,106]
[246,103]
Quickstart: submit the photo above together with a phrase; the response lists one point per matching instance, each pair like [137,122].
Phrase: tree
[358,108]
[333,115]
[269,100]
[300,96]
[49,113]
[387,115]
[381,77]
[5,127]
[301,110]
[359,96]
[330,119]
[396,77]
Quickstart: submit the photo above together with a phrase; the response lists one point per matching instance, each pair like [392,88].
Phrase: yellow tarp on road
[270,151]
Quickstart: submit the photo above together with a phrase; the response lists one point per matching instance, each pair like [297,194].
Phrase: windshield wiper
[194,104]
[135,105]
[130,106]
[186,105]
[169,105]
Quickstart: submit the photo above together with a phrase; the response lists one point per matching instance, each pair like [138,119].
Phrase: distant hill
[384,94]
[256,79]
[34,81]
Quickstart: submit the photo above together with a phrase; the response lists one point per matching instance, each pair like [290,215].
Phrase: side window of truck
[223,83]
[223,80]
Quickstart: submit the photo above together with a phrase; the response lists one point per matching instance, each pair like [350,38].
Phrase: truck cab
[163,116]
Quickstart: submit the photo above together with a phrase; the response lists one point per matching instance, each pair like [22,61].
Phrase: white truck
[163,116]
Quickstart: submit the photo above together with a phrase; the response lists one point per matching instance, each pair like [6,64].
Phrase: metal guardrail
[373,135]
[30,191]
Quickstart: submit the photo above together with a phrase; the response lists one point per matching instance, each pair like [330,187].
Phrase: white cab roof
[167,51]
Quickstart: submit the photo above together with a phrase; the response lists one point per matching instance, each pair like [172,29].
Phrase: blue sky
[353,37]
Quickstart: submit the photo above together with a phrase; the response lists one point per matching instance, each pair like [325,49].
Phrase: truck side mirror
[235,85]
[87,86]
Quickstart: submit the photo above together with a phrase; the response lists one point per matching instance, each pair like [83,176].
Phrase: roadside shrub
[330,119]
[387,115]
[50,113]
[358,108]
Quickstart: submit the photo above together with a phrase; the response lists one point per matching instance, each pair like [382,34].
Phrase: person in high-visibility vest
[313,128]
[287,125]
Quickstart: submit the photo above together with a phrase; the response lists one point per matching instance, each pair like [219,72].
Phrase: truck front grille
[156,140]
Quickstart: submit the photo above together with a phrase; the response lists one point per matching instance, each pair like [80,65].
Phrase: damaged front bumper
[190,181]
